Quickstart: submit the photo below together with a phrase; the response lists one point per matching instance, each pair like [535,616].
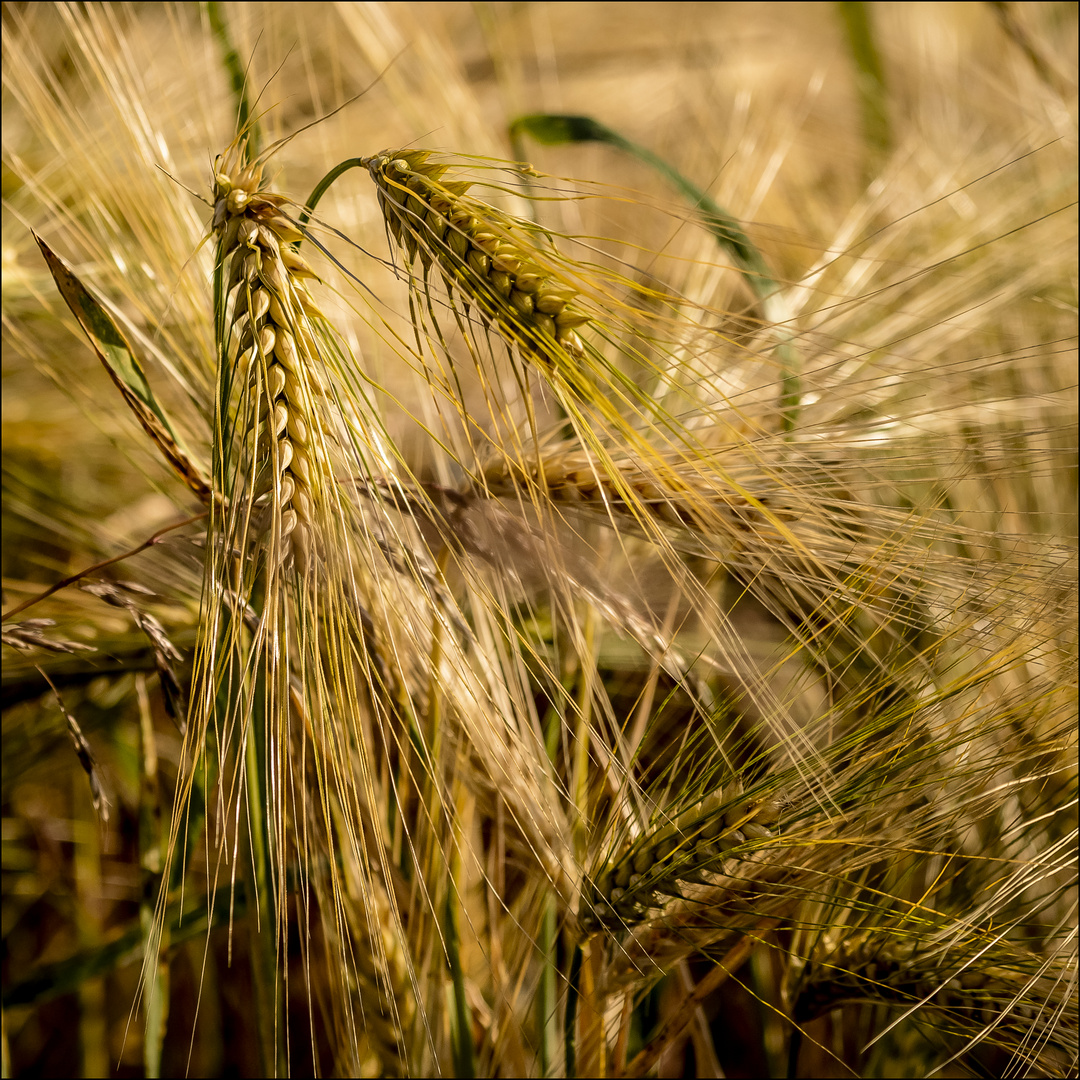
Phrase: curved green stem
[237,78]
[323,186]
[554,129]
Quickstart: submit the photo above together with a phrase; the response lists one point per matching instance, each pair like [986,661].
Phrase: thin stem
[65,582]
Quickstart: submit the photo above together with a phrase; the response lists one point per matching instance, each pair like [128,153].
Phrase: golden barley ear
[480,254]
[272,346]
[291,680]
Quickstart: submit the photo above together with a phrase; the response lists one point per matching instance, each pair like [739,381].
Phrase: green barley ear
[706,838]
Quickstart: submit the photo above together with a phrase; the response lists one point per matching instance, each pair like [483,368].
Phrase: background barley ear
[611,614]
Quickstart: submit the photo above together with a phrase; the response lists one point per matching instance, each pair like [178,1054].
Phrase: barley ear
[481,255]
[271,345]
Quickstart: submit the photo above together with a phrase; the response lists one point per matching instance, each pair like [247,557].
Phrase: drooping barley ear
[481,255]
[624,486]
[270,344]
[976,987]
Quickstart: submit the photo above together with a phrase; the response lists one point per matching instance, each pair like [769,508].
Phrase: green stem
[461,1028]
[554,129]
[572,994]
[323,186]
[155,968]
[237,78]
[870,77]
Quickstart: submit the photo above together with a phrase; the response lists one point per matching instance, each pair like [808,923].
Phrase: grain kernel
[266,340]
[301,467]
[285,351]
[275,380]
[521,302]
[259,303]
[479,262]
[506,262]
[550,303]
[298,430]
[567,319]
[285,454]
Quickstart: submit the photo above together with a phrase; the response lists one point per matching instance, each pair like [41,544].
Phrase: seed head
[481,253]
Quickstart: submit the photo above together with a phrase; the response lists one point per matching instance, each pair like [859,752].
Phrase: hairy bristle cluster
[480,253]
[682,849]
[271,345]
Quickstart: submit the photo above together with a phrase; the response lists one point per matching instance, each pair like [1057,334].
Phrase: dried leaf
[119,358]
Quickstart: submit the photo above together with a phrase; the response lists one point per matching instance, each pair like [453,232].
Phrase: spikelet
[481,254]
